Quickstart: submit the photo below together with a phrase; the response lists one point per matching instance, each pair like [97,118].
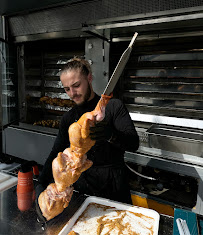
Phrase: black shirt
[103,154]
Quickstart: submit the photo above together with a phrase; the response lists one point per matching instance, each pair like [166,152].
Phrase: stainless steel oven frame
[150,26]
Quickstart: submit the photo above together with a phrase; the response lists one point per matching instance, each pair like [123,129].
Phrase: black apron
[107,181]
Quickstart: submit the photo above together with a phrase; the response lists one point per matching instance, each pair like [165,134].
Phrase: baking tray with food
[103,216]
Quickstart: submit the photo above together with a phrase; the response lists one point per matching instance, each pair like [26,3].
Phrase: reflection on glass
[9,83]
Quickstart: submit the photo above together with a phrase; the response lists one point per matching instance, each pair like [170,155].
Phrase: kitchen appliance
[161,86]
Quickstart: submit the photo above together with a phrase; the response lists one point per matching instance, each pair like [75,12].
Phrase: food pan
[92,201]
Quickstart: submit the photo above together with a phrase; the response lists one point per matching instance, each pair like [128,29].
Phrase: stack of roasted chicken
[69,164]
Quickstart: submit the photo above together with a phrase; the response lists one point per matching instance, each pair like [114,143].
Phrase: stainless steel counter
[14,221]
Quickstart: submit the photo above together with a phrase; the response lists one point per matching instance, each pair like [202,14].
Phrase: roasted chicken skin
[52,202]
[72,233]
[80,142]
[57,101]
[68,166]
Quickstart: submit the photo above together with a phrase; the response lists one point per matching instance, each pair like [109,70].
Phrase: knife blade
[119,68]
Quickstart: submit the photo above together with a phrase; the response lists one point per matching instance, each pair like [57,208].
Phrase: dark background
[8,7]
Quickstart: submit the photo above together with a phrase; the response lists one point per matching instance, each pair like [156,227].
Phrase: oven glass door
[9,83]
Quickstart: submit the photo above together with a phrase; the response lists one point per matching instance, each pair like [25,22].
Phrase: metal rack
[42,64]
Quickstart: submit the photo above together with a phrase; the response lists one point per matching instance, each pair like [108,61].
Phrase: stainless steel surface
[163,12]
[52,35]
[64,18]
[153,22]
[178,167]
[177,133]
[176,139]
[13,221]
[159,119]
[172,154]
[157,36]
[120,67]
[7,181]
[71,17]
[36,128]
[97,53]
[161,22]
[28,143]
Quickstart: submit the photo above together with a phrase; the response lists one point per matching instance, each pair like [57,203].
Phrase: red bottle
[25,186]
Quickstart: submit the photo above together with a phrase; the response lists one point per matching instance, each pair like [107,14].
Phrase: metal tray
[175,139]
[184,134]
[115,206]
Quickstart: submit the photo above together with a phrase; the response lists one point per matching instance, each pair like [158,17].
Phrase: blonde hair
[77,64]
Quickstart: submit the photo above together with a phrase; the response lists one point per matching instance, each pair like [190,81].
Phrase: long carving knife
[119,68]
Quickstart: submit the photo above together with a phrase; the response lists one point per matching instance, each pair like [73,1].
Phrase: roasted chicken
[80,142]
[72,233]
[52,202]
[47,123]
[68,166]
[56,101]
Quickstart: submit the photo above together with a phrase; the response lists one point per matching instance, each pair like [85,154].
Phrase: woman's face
[77,86]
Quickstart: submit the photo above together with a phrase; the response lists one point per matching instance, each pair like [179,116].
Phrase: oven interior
[45,99]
